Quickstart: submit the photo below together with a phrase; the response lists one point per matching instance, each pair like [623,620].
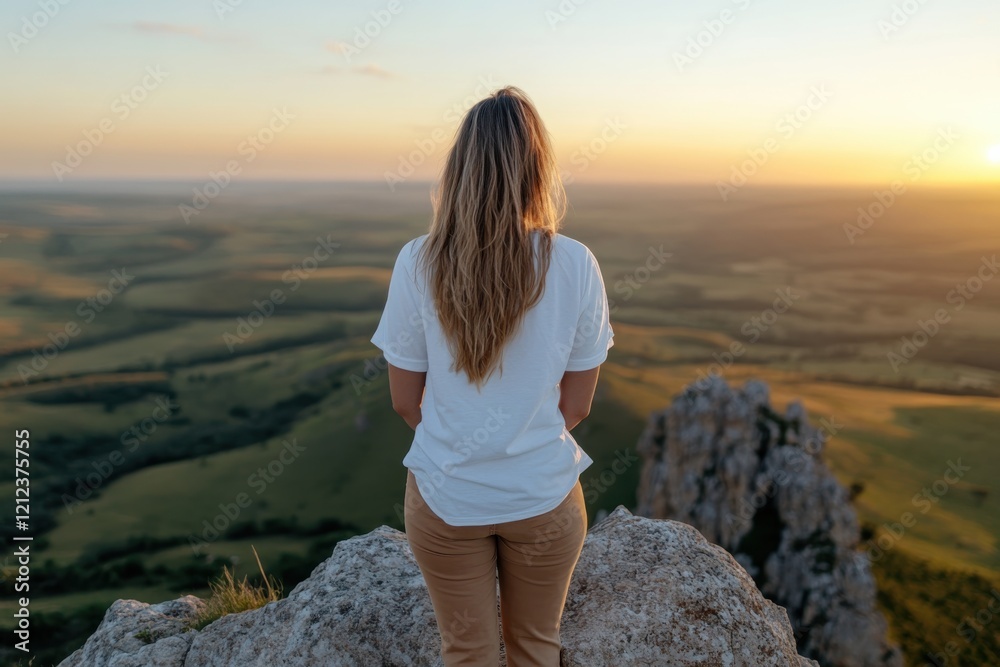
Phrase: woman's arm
[576,392]
[407,391]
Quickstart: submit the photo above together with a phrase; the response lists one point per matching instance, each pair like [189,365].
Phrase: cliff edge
[645,592]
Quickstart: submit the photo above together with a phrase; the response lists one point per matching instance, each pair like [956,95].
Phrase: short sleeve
[400,333]
[594,335]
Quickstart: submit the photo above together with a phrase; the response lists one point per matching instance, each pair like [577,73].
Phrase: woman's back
[501,453]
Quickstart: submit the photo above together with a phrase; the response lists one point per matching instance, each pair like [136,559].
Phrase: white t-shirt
[503,454]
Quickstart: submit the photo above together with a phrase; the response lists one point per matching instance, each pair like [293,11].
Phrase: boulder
[644,592]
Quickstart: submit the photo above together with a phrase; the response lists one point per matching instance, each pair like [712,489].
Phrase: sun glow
[994,154]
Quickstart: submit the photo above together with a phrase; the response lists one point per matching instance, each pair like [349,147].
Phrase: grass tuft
[230,596]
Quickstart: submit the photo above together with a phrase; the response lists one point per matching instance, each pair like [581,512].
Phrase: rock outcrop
[645,592]
[754,482]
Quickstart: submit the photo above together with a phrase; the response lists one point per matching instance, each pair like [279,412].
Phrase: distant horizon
[83,183]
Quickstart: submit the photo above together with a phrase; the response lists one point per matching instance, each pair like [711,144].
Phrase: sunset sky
[618,76]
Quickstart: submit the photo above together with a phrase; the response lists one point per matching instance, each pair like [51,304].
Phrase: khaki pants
[533,559]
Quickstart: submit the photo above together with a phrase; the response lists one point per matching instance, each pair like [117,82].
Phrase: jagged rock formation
[645,592]
[753,482]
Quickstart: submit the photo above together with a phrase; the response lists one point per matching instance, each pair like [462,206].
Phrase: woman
[494,331]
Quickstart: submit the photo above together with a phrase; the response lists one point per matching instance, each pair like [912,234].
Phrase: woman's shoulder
[414,244]
[571,248]
[409,250]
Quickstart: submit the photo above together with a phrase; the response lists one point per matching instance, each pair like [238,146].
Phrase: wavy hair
[500,185]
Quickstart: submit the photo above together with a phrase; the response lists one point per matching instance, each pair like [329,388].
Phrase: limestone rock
[754,482]
[645,592]
[658,593]
[163,638]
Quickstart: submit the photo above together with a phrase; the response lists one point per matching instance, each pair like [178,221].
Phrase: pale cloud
[374,70]
[363,70]
[163,28]
[169,28]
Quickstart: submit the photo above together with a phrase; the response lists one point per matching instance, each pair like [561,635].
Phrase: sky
[768,91]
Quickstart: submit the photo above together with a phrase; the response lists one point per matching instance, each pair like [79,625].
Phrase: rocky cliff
[753,481]
[645,592]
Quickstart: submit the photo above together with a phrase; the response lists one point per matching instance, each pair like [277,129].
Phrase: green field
[306,373]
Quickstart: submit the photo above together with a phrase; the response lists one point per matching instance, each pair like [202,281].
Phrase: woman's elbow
[402,409]
[575,415]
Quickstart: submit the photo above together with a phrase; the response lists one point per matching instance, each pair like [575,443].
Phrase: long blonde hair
[500,184]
